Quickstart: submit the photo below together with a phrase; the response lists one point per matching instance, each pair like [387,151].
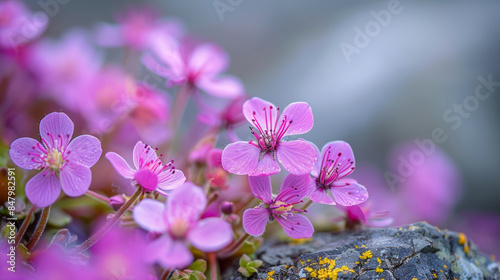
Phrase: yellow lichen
[379,270]
[462,238]
[366,255]
[270,273]
[445,266]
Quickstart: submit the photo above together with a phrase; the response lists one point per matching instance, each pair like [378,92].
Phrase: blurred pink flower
[482,228]
[136,26]
[292,190]
[199,65]
[260,157]
[18,25]
[64,163]
[66,68]
[56,263]
[227,117]
[120,255]
[429,192]
[150,173]
[179,223]
[337,162]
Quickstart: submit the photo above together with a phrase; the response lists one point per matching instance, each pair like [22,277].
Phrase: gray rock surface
[418,251]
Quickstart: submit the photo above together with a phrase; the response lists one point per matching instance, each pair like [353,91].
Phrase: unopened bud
[116,201]
[227,207]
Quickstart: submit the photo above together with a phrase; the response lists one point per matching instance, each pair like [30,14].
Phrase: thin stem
[39,228]
[307,205]
[24,225]
[102,232]
[98,197]
[166,274]
[178,107]
[233,248]
[214,267]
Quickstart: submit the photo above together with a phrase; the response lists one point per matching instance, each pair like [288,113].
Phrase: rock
[417,251]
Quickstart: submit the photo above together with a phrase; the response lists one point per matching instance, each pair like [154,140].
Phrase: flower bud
[227,207]
[116,201]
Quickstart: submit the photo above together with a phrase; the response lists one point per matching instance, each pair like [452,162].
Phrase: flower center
[269,131]
[178,228]
[333,169]
[282,206]
[54,159]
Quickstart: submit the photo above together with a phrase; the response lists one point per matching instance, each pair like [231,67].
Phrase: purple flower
[64,163]
[135,26]
[18,25]
[179,223]
[337,162]
[199,65]
[66,68]
[293,189]
[260,156]
[150,173]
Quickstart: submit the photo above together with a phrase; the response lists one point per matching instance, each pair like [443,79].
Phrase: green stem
[24,225]
[102,231]
[39,228]
[98,197]
[233,248]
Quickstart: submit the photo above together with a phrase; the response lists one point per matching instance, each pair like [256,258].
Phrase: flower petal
[75,179]
[208,59]
[168,180]
[300,114]
[355,213]
[187,202]
[176,256]
[255,220]
[84,150]
[294,188]
[342,152]
[240,158]
[223,87]
[143,153]
[55,124]
[149,214]
[267,166]
[261,188]
[43,190]
[317,165]
[296,226]
[147,179]
[297,157]
[120,165]
[23,155]
[319,195]
[256,105]
[211,234]
[349,194]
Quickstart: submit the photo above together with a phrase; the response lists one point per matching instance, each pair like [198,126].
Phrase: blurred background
[377,74]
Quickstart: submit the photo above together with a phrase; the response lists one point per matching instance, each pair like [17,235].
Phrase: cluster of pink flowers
[173,195]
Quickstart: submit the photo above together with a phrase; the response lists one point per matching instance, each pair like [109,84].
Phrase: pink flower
[261,156]
[18,25]
[199,65]
[136,25]
[227,117]
[120,255]
[337,162]
[65,163]
[363,214]
[150,173]
[66,68]
[179,223]
[293,189]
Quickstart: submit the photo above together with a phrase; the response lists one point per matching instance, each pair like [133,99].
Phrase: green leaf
[199,265]
[58,218]
[251,270]
[257,263]
[244,272]
[244,260]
